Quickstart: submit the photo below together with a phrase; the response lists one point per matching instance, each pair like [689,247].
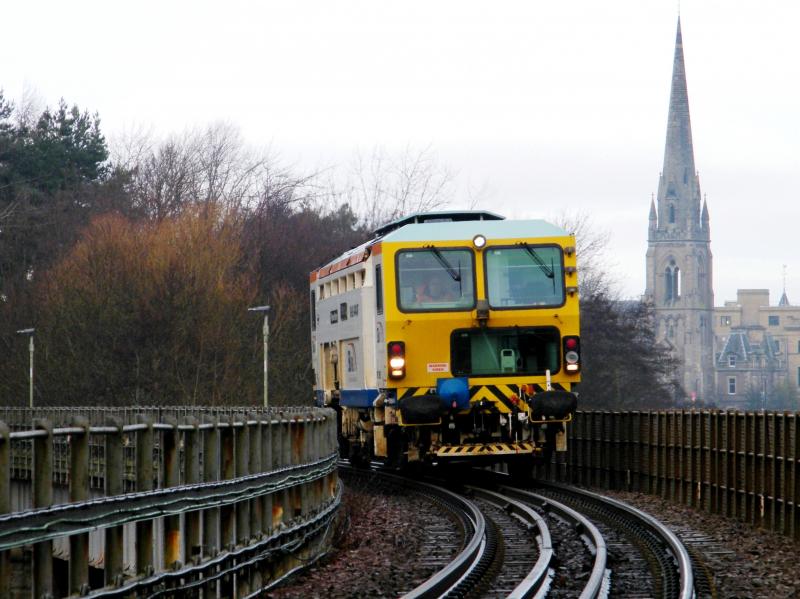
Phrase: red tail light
[572,354]
[397,359]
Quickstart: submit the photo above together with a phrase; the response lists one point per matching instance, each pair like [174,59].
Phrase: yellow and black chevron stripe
[486,449]
[498,394]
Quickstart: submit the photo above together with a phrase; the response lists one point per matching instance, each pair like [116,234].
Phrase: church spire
[679,153]
[679,204]
[679,259]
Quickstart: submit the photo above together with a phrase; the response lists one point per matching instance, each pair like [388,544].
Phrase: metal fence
[137,501]
[737,464]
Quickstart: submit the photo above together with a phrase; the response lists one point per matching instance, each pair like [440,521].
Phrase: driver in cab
[433,291]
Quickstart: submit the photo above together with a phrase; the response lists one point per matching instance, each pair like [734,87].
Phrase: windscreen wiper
[454,274]
[548,271]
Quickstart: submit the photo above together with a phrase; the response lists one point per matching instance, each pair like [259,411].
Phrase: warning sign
[438,367]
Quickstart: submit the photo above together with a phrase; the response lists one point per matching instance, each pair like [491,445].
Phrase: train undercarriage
[487,432]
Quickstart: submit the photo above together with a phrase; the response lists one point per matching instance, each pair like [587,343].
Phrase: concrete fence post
[144,482]
[43,497]
[211,516]
[114,481]
[266,466]
[242,468]
[172,524]
[257,504]
[227,524]
[191,474]
[79,491]
[5,499]
[278,431]
[255,467]
[289,435]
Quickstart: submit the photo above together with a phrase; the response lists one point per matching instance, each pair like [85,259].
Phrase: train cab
[450,336]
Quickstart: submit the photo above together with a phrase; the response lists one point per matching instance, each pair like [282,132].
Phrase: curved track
[641,541]
[551,541]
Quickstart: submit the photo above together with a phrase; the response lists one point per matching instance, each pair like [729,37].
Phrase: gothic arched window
[672,282]
[668,293]
[672,213]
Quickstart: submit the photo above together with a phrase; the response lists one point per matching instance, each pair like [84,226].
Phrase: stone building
[745,354]
[757,357]
[679,261]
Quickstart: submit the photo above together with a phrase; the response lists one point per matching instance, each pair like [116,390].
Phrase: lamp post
[265,310]
[29,333]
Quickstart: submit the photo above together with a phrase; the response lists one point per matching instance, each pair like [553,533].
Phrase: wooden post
[79,491]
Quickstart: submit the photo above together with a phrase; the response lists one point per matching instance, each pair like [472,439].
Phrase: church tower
[679,281]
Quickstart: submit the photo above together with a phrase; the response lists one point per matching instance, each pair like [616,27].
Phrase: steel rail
[33,526]
[598,583]
[537,582]
[450,577]
[675,547]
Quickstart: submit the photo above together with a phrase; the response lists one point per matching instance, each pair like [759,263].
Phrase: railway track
[551,541]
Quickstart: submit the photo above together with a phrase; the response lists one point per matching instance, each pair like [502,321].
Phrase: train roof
[437,217]
[443,226]
[491,229]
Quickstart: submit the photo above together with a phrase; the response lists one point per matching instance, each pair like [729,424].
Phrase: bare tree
[594,277]
[29,108]
[212,168]
[380,187]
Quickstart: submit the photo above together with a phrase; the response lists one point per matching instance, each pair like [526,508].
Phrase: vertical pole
[5,499]
[266,359]
[114,477]
[144,482]
[79,491]
[43,497]
[30,398]
[172,524]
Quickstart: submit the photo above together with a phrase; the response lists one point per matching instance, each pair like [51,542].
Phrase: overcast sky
[549,105]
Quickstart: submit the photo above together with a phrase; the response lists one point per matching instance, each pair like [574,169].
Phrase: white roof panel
[466,230]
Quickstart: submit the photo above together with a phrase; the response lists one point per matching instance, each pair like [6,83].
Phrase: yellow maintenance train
[450,336]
